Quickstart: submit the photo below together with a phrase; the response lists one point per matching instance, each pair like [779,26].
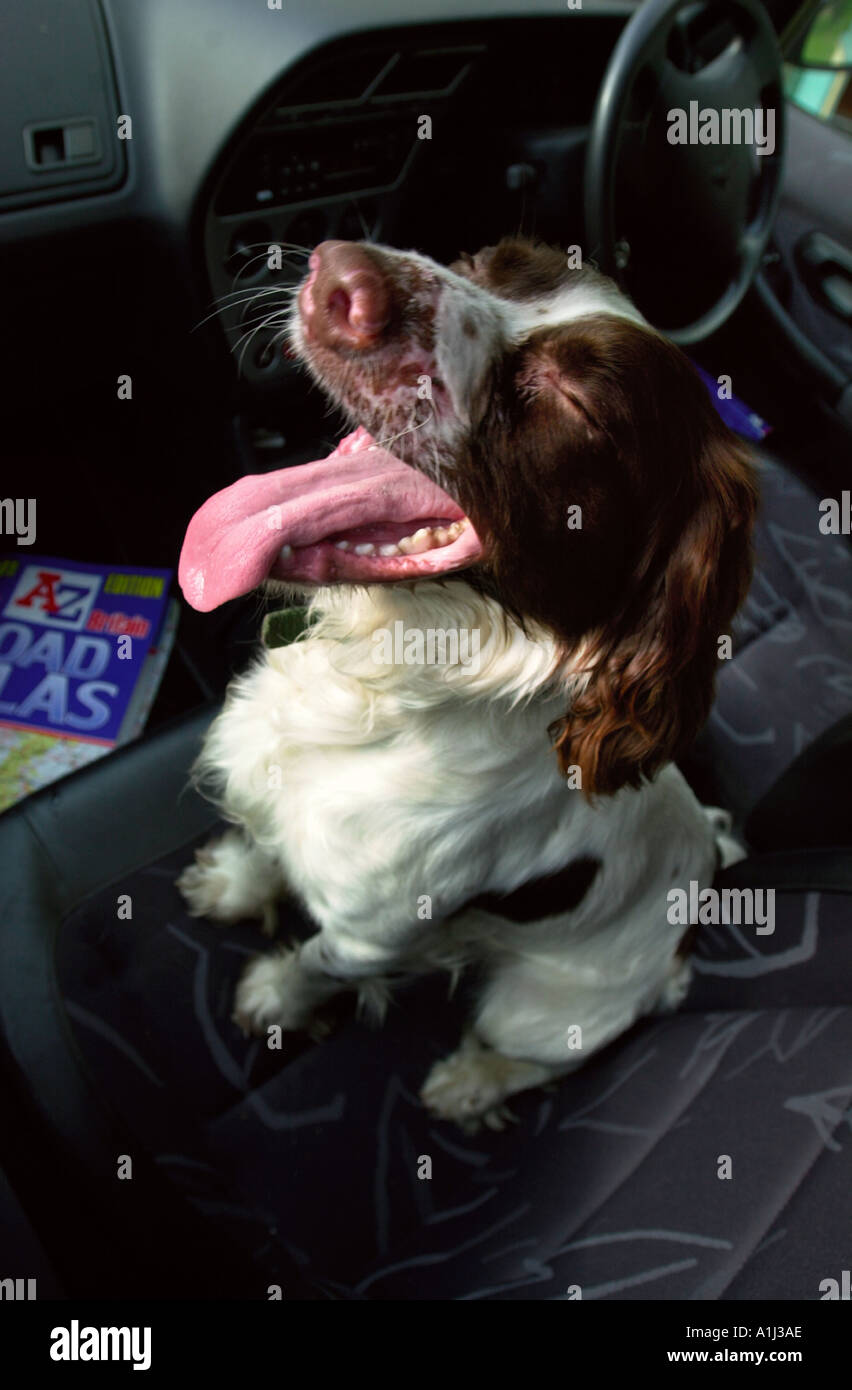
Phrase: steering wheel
[685,225]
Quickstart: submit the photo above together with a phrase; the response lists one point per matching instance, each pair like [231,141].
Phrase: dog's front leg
[287,988]
[232,880]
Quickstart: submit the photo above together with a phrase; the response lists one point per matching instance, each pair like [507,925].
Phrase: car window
[818,78]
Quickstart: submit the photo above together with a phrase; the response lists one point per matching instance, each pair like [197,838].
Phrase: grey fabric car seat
[791,675]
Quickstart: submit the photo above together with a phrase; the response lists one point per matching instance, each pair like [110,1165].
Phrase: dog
[532,463]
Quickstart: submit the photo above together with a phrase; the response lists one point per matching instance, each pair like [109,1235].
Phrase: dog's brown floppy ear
[651,670]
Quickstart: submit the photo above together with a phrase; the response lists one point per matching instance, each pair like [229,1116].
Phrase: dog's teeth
[341,545]
[420,541]
[285,552]
[428,538]
[366,548]
[388,549]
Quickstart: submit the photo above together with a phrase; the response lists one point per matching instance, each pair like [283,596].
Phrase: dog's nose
[346,300]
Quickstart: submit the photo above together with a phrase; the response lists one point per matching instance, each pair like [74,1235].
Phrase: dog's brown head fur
[617,509]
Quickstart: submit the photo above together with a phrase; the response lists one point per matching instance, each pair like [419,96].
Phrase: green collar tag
[284,626]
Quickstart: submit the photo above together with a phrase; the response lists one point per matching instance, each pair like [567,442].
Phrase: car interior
[150,155]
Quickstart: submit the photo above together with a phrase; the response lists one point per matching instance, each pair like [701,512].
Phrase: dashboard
[190,72]
[198,130]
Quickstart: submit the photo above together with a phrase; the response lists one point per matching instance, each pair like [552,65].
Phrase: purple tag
[733,411]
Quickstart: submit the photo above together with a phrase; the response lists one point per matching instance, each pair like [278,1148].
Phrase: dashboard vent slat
[348,125]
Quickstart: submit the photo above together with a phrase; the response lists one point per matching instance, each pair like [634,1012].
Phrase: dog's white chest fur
[387,796]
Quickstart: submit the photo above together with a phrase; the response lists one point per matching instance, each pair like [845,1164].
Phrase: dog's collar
[283,626]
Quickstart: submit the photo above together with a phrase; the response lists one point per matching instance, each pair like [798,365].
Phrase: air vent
[348,126]
[377,77]
[318,161]
[336,80]
[436,73]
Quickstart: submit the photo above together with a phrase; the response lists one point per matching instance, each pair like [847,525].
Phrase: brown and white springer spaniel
[538,486]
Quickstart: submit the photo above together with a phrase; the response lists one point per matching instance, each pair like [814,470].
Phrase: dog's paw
[230,882]
[676,986]
[469,1087]
[202,886]
[270,992]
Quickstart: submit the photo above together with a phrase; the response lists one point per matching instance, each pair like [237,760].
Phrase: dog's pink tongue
[234,539]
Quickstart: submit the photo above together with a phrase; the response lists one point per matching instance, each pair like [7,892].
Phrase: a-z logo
[53,596]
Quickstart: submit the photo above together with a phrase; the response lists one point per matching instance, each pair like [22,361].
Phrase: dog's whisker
[385,443]
[246,292]
[261,256]
[244,297]
[249,334]
[241,328]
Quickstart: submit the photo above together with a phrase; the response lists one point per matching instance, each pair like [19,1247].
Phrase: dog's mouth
[360,516]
